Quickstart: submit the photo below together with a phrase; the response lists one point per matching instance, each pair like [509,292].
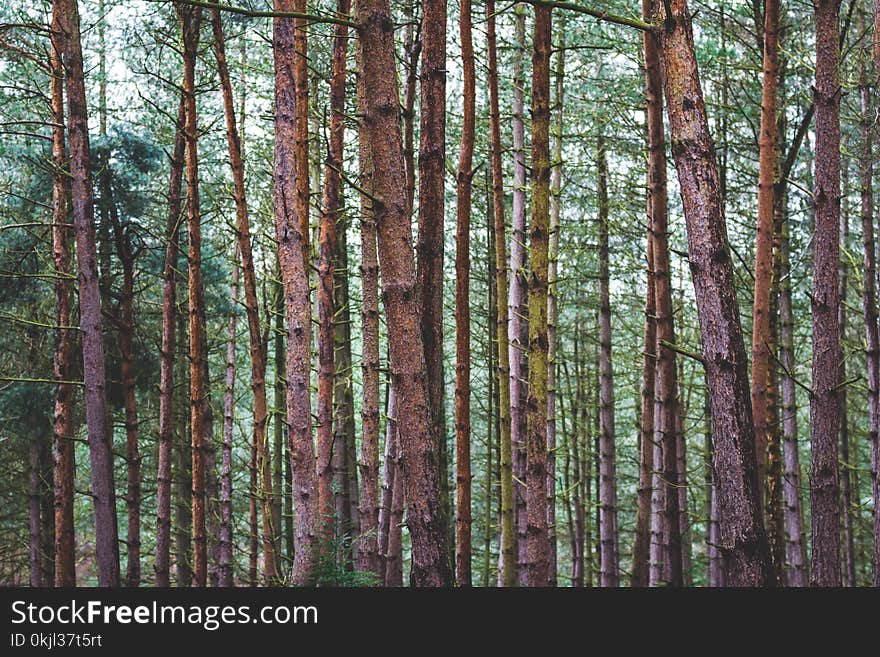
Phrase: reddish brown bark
[257,350]
[326,288]
[464,184]
[190,19]
[537,543]
[764,241]
[507,565]
[167,357]
[62,423]
[126,326]
[743,539]
[82,202]
[291,247]
[824,408]
[431,211]
[225,564]
[369,547]
[430,564]
[666,556]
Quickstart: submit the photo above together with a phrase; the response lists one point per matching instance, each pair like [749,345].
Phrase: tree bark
[257,350]
[610,575]
[425,515]
[743,539]
[824,408]
[552,301]
[869,298]
[82,198]
[430,240]
[226,555]
[326,288]
[62,356]
[506,557]
[464,184]
[537,542]
[518,324]
[370,556]
[764,242]
[292,245]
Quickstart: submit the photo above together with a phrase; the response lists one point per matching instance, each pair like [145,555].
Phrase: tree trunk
[370,556]
[100,447]
[190,19]
[824,407]
[761,319]
[257,350]
[183,477]
[430,246]
[869,299]
[845,467]
[226,555]
[425,515]
[642,538]
[326,288]
[743,539]
[62,356]
[168,352]
[464,183]
[506,558]
[518,324]
[795,546]
[292,246]
[610,576]
[537,543]
[122,239]
[552,302]
[393,553]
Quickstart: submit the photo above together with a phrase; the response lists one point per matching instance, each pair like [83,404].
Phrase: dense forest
[429,293]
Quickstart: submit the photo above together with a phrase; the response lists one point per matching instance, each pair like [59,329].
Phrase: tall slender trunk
[845,468]
[82,203]
[716,566]
[869,299]
[552,300]
[226,556]
[824,408]
[430,249]
[537,543]
[506,558]
[516,307]
[62,356]
[610,576]
[35,557]
[279,438]
[642,537]
[425,515]
[493,430]
[761,350]
[646,516]
[464,184]
[257,350]
[292,247]
[126,323]
[370,554]
[795,546]
[190,19]
[743,538]
[168,356]
[326,287]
